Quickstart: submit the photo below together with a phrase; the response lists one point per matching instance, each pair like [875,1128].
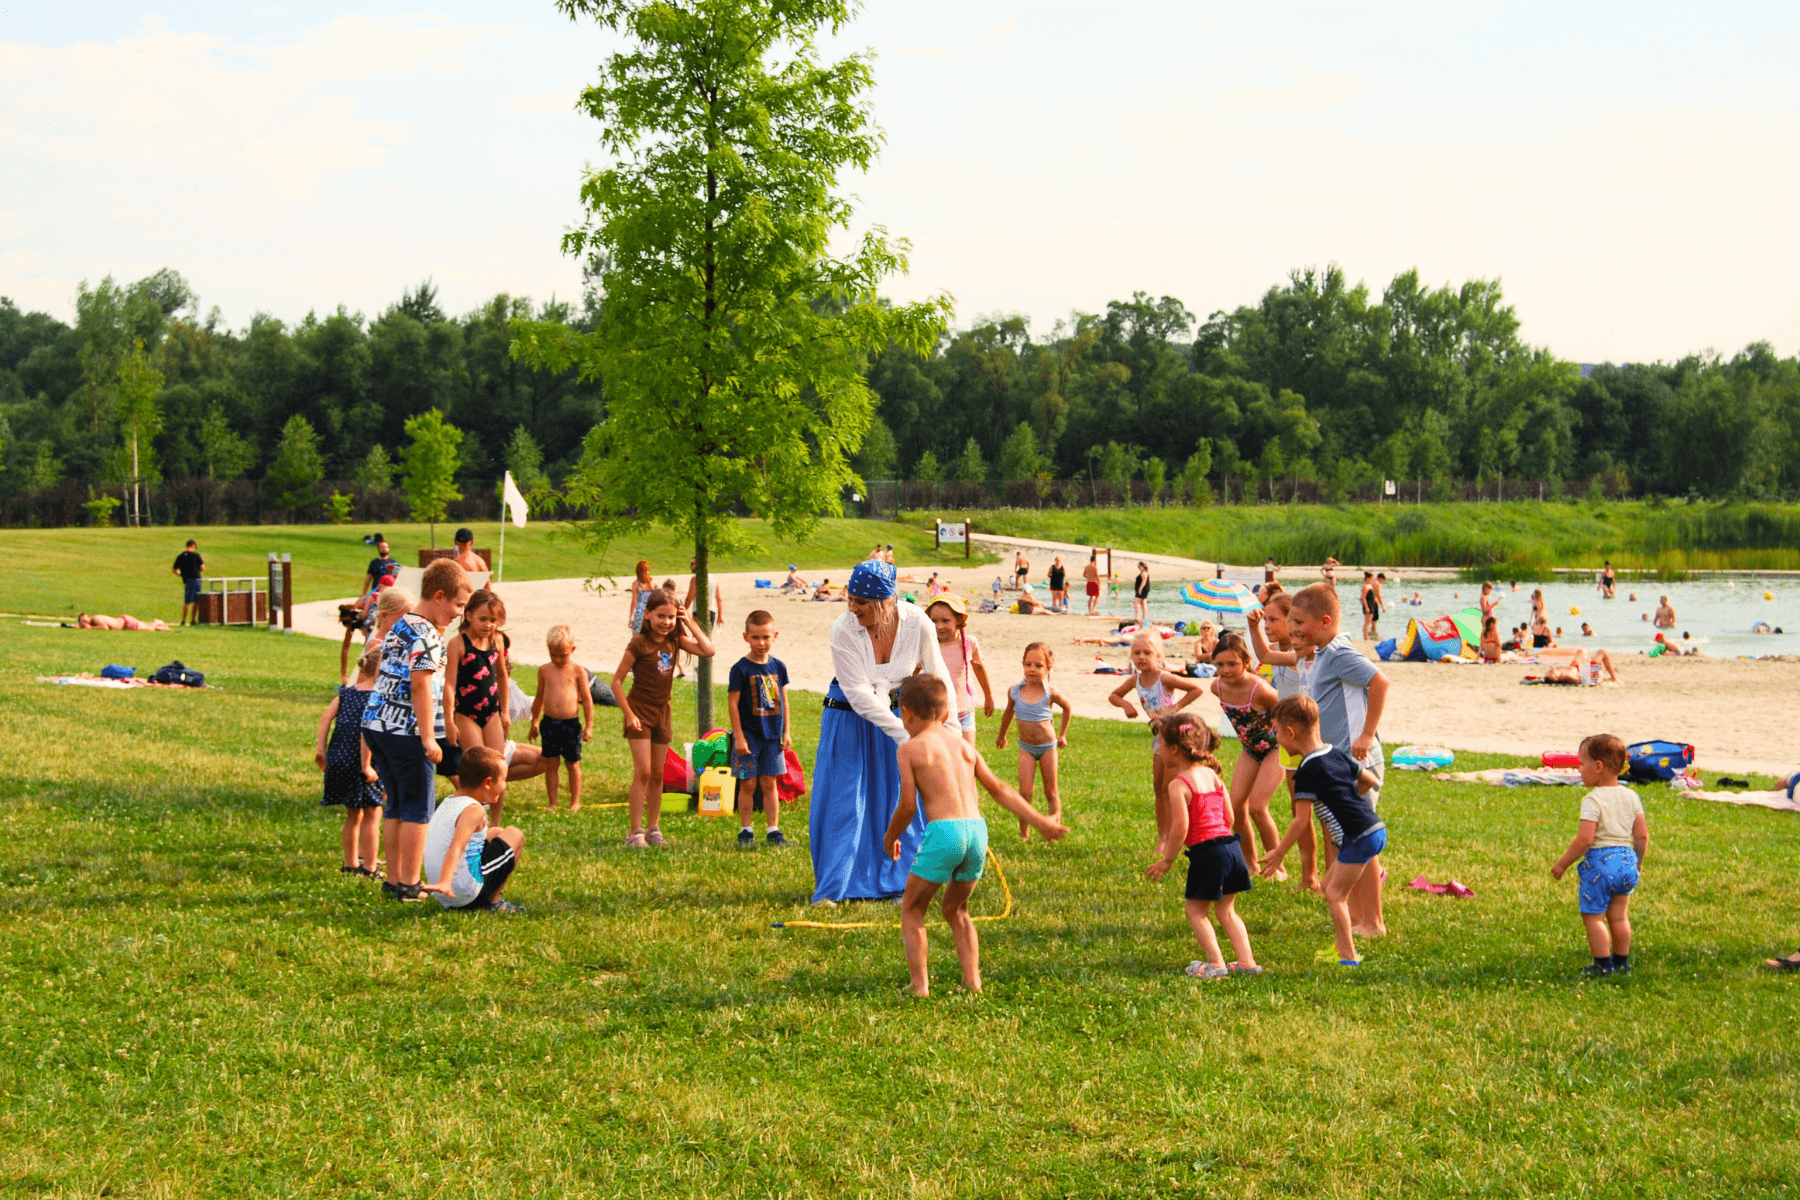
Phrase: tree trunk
[703,615]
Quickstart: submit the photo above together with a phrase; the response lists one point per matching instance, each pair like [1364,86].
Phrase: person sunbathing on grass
[123,621]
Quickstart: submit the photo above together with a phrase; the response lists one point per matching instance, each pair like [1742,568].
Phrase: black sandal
[350,870]
[1790,963]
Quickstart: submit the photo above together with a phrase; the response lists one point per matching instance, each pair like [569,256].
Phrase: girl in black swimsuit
[476,673]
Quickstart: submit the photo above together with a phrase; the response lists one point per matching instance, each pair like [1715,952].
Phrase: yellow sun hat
[954,601]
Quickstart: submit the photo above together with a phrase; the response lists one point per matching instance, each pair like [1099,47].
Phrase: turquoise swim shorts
[952,850]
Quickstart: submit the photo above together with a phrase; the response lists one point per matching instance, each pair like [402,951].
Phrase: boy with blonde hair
[1610,842]
[939,770]
[562,688]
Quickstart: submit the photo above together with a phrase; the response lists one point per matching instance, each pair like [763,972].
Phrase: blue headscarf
[871,580]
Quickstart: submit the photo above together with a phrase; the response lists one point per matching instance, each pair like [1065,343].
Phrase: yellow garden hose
[1002,915]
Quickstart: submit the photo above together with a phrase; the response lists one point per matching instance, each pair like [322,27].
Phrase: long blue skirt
[856,787]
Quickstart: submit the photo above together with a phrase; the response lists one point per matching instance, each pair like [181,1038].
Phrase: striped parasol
[1221,596]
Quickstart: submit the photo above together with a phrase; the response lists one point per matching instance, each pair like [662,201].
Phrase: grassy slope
[197,1004]
[65,570]
[1528,537]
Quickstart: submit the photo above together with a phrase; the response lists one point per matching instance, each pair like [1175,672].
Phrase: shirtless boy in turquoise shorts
[939,770]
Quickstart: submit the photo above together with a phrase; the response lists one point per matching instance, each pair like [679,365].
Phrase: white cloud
[1313,92]
[557,100]
[366,48]
[940,52]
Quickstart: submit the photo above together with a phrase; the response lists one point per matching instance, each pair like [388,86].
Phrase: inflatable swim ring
[1422,758]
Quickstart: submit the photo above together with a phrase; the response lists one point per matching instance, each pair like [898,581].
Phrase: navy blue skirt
[856,788]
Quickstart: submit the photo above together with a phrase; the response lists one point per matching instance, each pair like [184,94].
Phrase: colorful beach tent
[1448,636]
[1221,595]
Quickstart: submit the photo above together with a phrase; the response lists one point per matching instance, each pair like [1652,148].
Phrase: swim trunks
[1605,872]
[952,850]
[562,738]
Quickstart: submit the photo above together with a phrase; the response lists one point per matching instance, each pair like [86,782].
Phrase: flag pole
[501,565]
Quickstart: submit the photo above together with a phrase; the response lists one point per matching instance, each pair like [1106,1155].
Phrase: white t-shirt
[1614,811]
[465,880]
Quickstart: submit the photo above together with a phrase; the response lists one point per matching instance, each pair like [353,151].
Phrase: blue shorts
[1037,749]
[765,758]
[967,721]
[952,850]
[1605,872]
[190,591]
[408,778]
[1362,849]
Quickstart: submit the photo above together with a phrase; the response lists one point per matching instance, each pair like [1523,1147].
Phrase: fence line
[883,497]
[190,502]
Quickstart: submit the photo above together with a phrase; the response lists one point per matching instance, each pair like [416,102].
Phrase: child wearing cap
[962,655]
[466,557]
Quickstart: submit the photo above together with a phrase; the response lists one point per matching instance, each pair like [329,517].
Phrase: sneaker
[635,841]
[1621,968]
[775,839]
[655,837]
[1205,970]
[1595,970]
[505,907]
[746,840]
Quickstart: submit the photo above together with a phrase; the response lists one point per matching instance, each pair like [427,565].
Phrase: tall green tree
[429,468]
[224,453]
[971,467]
[297,465]
[1019,457]
[731,341]
[140,420]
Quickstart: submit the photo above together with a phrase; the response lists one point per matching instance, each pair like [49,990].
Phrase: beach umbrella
[1221,596]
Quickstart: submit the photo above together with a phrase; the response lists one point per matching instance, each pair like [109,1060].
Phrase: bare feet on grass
[1369,931]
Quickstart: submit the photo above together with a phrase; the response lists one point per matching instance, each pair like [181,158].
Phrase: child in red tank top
[1199,818]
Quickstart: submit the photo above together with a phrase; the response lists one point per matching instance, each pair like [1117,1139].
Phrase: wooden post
[968,538]
[274,591]
[287,593]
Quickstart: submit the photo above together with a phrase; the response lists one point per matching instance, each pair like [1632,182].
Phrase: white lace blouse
[866,683]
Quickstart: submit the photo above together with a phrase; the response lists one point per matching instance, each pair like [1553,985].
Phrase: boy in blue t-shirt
[757,702]
[1330,780]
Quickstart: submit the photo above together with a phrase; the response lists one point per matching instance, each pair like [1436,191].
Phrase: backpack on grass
[1656,762]
[176,673]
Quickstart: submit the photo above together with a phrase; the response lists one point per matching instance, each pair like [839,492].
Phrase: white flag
[515,501]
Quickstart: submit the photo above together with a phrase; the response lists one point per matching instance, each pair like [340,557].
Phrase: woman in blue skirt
[875,646]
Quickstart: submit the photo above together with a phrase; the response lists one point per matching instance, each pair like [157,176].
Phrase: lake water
[1718,612]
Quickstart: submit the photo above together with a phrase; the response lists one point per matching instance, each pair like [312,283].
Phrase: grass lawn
[1521,539]
[197,1004]
[63,571]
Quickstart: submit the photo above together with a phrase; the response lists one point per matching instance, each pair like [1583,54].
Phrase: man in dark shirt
[382,564]
[189,565]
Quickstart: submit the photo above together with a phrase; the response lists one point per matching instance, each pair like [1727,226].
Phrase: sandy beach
[1738,714]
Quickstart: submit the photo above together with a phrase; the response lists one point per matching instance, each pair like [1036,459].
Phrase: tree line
[141,387]
[1321,383]
[1318,384]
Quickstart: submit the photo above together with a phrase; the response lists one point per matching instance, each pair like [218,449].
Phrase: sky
[1625,169]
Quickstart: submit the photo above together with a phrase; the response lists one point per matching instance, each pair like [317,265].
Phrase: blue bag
[112,672]
[1650,761]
